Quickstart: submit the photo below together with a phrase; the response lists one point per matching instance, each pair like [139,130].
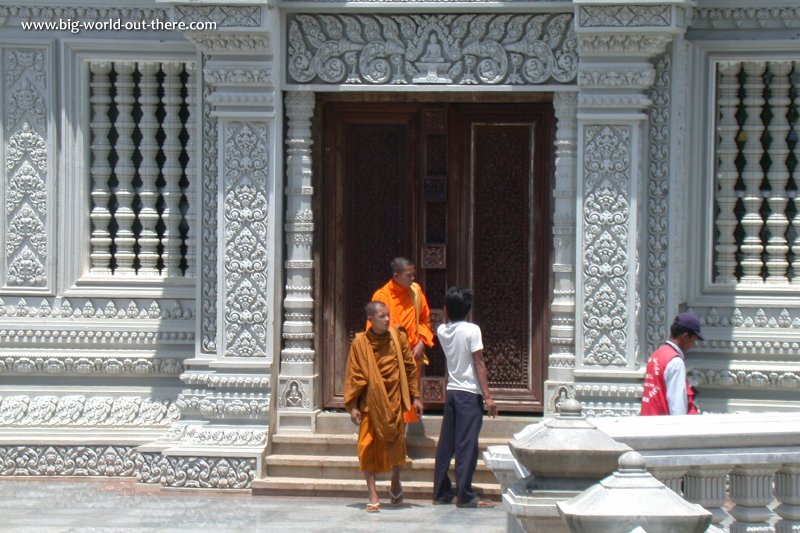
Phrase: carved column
[787,492]
[559,384]
[751,492]
[618,45]
[225,407]
[296,385]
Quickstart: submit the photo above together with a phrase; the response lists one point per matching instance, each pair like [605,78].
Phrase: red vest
[654,397]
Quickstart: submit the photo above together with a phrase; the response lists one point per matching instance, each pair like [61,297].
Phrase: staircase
[325,463]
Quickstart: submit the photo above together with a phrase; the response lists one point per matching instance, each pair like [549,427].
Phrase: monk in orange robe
[408,308]
[378,386]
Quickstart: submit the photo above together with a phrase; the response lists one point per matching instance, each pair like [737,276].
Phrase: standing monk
[408,308]
[379,386]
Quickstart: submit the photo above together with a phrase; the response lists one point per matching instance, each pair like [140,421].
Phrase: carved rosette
[26,209]
[464,49]
[606,213]
[246,311]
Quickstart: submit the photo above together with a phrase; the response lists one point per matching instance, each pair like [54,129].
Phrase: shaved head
[399,264]
[371,308]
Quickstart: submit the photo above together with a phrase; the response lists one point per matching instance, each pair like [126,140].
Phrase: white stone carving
[222,381]
[105,461]
[89,364]
[235,43]
[605,257]
[196,472]
[148,169]
[610,75]
[100,99]
[208,260]
[635,44]
[85,411]
[756,317]
[624,16]
[245,215]
[294,395]
[738,376]
[746,17]
[224,16]
[217,435]
[124,240]
[657,221]
[99,309]
[514,49]
[26,209]
[11,15]
[222,405]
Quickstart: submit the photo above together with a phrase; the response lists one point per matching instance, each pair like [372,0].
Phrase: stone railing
[743,468]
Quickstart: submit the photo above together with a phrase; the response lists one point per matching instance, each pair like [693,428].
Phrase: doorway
[463,189]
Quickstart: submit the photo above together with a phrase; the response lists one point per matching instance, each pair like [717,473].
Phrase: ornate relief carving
[97,309]
[560,393]
[227,381]
[746,17]
[106,461]
[238,75]
[622,44]
[78,410]
[514,49]
[224,16]
[196,472]
[216,436]
[759,317]
[294,394]
[26,164]
[219,405]
[605,259]
[245,216]
[208,271]
[624,16]
[81,336]
[88,364]
[231,43]
[745,377]
[607,76]
[658,207]
[11,15]
[610,409]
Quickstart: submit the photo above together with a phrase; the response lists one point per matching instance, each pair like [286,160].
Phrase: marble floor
[111,506]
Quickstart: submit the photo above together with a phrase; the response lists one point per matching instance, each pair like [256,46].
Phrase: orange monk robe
[402,311]
[382,389]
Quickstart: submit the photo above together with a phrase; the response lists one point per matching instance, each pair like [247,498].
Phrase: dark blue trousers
[461,426]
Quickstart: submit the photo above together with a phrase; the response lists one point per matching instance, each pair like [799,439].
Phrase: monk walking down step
[379,385]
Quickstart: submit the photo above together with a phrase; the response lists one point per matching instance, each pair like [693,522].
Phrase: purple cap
[689,321]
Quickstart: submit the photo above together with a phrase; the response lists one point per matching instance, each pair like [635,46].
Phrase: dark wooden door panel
[368,216]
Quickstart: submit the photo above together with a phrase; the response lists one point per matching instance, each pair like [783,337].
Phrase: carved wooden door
[464,190]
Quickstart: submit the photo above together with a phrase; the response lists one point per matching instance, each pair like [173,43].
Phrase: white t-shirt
[459,340]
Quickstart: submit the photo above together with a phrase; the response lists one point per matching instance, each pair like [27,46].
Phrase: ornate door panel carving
[462,188]
[505,226]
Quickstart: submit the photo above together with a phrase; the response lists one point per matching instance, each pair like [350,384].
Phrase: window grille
[142,168]
[757,217]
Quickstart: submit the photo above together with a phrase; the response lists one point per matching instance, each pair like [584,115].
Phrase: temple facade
[200,197]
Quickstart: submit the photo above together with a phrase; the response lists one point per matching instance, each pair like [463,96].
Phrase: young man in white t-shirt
[467,390]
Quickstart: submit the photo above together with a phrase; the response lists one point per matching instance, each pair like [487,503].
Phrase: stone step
[335,423]
[346,488]
[340,467]
[345,444]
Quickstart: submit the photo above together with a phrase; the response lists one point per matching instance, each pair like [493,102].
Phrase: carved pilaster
[296,405]
[562,332]
[618,80]
[27,220]
[226,404]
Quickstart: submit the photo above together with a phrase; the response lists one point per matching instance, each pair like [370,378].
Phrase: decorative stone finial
[631,462]
[570,408]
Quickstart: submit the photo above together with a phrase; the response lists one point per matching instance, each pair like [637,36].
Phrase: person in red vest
[666,389]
